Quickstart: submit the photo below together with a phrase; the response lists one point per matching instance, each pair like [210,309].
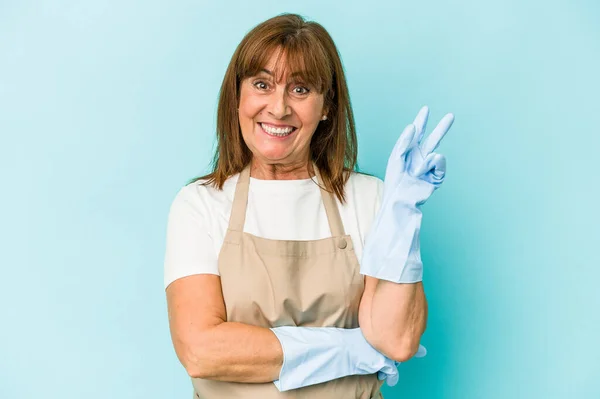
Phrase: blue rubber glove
[392,248]
[312,355]
[421,352]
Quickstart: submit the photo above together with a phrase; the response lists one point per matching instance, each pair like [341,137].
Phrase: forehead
[278,66]
[285,64]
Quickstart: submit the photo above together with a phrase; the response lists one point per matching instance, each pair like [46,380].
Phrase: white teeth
[275,131]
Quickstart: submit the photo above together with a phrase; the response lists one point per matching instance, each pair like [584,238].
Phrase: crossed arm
[392,317]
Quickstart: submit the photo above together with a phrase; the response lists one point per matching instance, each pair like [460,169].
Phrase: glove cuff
[412,273]
[311,355]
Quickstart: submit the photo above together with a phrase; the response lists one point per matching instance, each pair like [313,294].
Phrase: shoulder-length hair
[307,48]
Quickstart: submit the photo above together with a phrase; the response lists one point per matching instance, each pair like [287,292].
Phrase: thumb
[434,166]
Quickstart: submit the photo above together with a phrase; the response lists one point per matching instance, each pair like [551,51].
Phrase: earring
[324,117]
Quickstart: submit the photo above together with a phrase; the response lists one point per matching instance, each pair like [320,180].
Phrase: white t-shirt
[277,209]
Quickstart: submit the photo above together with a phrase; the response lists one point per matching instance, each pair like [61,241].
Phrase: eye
[303,90]
[261,85]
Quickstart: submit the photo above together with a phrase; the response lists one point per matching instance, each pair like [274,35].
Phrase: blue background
[108,107]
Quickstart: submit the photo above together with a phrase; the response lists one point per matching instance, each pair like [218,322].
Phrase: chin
[273,156]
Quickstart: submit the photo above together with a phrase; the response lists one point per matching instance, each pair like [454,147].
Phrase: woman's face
[278,119]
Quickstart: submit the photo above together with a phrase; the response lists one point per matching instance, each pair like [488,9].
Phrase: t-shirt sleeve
[366,200]
[376,204]
[378,197]
[189,247]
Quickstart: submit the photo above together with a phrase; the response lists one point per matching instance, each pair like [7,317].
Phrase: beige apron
[272,283]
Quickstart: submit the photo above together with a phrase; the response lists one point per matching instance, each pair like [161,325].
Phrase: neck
[279,171]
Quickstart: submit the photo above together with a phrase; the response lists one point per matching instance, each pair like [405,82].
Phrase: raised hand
[414,171]
[392,248]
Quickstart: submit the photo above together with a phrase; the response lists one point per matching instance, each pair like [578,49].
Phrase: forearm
[234,352]
[394,330]
[238,352]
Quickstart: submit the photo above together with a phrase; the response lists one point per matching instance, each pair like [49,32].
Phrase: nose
[278,105]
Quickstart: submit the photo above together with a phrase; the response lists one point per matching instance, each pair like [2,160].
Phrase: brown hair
[309,49]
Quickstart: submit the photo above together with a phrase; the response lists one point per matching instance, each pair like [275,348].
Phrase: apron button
[342,244]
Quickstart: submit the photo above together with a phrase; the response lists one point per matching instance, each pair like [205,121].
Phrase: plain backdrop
[108,107]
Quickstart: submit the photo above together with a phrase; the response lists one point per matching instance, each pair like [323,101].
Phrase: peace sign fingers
[433,140]
[420,124]
[403,144]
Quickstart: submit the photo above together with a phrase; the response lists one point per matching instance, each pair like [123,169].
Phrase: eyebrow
[271,73]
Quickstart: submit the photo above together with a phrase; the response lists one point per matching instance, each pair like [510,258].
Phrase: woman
[264,289]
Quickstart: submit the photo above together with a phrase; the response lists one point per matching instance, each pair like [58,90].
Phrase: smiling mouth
[277,132]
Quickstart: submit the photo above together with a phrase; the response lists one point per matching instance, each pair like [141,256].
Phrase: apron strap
[240,203]
[331,209]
